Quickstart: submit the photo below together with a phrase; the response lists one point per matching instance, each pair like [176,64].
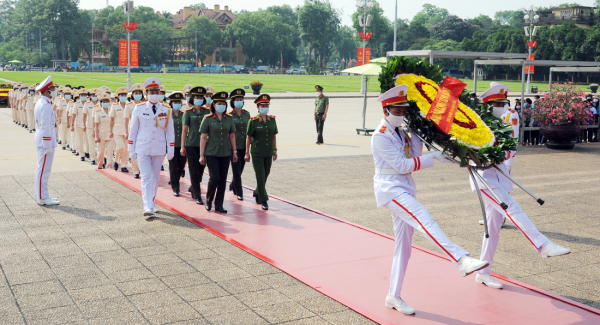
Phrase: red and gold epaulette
[512,110]
[383,128]
[254,118]
[272,116]
[230,114]
[514,121]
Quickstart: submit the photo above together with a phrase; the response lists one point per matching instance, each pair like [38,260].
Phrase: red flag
[532,44]
[444,107]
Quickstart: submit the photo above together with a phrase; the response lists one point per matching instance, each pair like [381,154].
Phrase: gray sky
[406,9]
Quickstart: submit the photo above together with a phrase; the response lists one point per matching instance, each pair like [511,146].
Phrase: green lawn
[174,81]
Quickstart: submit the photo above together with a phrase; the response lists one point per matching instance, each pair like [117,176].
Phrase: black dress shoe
[200,202]
[104,162]
[77,154]
[265,206]
[82,158]
[256,197]
[68,147]
[30,131]
[190,189]
[87,155]
[124,170]
[240,197]
[208,204]
[136,175]
[183,173]
[220,209]
[116,166]
[176,193]
[93,162]
[64,148]
[59,142]
[162,167]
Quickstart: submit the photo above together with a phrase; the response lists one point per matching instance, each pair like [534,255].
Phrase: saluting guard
[151,137]
[396,156]
[45,141]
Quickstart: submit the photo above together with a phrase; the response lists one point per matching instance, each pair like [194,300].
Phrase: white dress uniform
[151,136]
[45,141]
[511,117]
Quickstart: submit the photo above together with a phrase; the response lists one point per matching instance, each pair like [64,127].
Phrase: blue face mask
[23,90]
[162,97]
[31,92]
[94,98]
[176,106]
[60,94]
[238,104]
[264,110]
[105,105]
[220,108]
[123,98]
[198,102]
[208,100]
[83,98]
[137,97]
[68,96]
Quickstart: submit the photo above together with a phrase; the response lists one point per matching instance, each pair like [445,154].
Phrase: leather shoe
[468,265]
[265,206]
[208,204]
[155,210]
[48,201]
[87,155]
[240,197]
[82,158]
[162,167]
[93,162]
[399,305]
[136,175]
[176,193]
[220,209]
[124,170]
[551,249]
[256,198]
[200,202]
[116,166]
[148,213]
[183,173]
[487,279]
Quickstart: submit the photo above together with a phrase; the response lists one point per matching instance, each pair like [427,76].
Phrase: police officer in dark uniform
[190,139]
[177,164]
[262,137]
[240,118]
[217,146]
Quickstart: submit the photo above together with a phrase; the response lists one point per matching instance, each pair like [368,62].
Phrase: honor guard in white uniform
[118,127]
[502,186]
[77,123]
[106,143]
[151,136]
[137,97]
[89,112]
[45,141]
[397,155]
[29,104]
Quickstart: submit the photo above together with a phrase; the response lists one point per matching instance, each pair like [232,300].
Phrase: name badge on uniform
[259,127]
[145,114]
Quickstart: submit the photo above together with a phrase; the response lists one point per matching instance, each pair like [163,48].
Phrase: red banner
[366,60]
[444,107]
[123,53]
[530,68]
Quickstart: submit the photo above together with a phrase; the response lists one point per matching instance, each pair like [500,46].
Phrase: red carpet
[351,264]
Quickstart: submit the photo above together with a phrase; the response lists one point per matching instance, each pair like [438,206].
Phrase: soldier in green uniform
[190,139]
[217,147]
[240,118]
[321,108]
[177,164]
[262,136]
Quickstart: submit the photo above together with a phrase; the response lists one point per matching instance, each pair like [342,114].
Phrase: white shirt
[399,153]
[45,124]
[146,134]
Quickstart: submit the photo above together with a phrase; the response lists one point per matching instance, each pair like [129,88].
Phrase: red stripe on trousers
[42,174]
[511,219]
[412,215]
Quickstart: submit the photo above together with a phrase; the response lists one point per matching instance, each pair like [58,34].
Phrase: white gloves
[441,157]
[132,155]
[48,151]
[170,156]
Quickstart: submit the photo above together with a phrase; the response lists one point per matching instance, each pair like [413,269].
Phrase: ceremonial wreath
[441,111]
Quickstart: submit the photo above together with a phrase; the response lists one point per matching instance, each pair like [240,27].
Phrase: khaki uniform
[89,110]
[117,113]
[106,145]
[77,120]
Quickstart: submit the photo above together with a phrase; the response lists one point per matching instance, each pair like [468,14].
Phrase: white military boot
[488,280]
[468,265]
[551,249]
[399,305]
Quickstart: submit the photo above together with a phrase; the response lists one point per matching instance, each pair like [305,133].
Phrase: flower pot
[560,137]
[594,89]
[256,89]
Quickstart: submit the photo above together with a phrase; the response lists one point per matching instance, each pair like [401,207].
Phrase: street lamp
[365,7]
[531,17]
[128,8]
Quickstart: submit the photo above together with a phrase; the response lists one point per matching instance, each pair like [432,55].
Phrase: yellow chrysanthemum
[473,132]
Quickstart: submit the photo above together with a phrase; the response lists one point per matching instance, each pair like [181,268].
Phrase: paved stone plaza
[95,260]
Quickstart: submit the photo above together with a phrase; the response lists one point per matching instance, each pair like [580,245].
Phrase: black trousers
[237,168]
[320,123]
[196,170]
[217,173]
[176,166]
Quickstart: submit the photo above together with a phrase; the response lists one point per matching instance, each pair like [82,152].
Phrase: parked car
[262,68]
[136,69]
[243,70]
[294,71]
[336,72]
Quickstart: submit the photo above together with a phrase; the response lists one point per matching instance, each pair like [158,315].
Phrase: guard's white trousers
[105,150]
[79,134]
[495,215]
[30,120]
[91,142]
[150,171]
[42,173]
[408,214]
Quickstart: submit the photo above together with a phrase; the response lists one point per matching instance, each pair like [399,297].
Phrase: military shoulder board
[383,128]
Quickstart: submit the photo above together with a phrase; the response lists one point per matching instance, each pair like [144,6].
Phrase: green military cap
[176,97]
[264,98]
[317,87]
[220,96]
[238,93]
[198,91]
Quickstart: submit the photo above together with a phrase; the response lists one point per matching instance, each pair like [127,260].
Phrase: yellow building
[584,17]
[222,18]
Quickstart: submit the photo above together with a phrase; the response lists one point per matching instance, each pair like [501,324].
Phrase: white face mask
[154,98]
[498,111]
[53,94]
[595,100]
[395,121]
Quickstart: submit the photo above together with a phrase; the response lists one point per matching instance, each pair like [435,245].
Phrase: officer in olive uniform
[240,118]
[190,139]
[217,146]
[177,164]
[321,108]
[261,135]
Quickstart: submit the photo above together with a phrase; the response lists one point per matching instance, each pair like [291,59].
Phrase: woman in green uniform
[190,139]
[176,164]
[240,118]
[216,148]
[262,136]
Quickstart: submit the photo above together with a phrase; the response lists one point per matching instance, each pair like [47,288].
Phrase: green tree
[206,32]
[591,46]
[199,5]
[430,15]
[317,21]
[380,27]
[345,43]
[288,16]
